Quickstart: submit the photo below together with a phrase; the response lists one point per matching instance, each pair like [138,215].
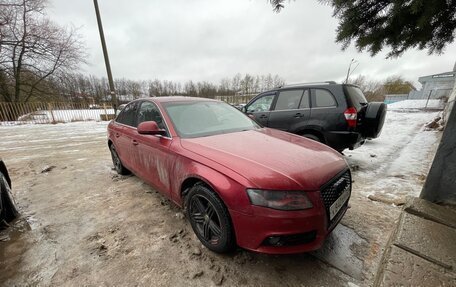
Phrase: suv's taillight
[351,116]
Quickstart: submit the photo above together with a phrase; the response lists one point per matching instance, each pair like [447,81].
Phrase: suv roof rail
[308,84]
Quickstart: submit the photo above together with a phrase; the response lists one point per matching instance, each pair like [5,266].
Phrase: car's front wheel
[210,219]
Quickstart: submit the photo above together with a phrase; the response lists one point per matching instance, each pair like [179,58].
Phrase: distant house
[435,86]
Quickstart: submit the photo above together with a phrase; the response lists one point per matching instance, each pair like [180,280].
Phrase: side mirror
[150,128]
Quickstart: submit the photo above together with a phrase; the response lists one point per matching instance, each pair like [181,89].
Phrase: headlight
[281,200]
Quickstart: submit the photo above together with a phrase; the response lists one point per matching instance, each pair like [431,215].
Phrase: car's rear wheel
[120,168]
[8,206]
[374,119]
[210,219]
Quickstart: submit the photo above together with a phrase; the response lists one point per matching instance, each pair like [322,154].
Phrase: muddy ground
[82,224]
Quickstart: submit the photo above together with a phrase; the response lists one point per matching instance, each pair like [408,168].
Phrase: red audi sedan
[240,184]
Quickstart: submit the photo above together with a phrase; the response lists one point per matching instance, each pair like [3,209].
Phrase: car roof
[179,99]
[308,85]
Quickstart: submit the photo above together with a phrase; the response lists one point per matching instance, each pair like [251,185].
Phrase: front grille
[331,191]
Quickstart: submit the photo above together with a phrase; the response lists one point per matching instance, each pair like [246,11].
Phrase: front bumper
[312,225]
[295,231]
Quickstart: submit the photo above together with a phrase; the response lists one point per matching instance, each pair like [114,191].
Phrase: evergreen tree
[400,25]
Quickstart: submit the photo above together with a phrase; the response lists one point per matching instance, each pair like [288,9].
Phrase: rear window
[324,98]
[128,115]
[356,96]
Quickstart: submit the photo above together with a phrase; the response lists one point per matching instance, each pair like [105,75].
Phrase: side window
[324,98]
[262,104]
[128,115]
[149,112]
[288,100]
[305,100]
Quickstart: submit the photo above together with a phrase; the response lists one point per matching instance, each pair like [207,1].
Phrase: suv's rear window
[356,96]
[324,98]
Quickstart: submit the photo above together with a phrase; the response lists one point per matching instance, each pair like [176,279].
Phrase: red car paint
[232,162]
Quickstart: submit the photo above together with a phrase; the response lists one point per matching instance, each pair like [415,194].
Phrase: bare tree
[372,89]
[33,50]
[247,84]
[278,81]
[377,90]
[397,85]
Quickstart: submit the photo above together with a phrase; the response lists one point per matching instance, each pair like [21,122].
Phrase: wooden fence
[63,112]
[45,113]
[235,100]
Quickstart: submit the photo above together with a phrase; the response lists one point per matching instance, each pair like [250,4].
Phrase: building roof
[446,76]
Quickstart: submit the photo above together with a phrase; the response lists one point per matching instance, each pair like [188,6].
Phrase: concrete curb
[422,249]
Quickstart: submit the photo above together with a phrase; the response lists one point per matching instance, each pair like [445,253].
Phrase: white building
[435,86]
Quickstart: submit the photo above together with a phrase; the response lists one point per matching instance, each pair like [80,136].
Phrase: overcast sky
[207,40]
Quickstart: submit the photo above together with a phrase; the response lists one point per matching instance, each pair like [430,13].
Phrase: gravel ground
[82,224]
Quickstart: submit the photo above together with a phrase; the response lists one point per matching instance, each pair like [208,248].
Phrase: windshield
[198,119]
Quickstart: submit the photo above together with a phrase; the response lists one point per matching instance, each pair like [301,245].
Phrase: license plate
[337,205]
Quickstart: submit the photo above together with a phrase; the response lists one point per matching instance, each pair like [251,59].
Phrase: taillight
[351,116]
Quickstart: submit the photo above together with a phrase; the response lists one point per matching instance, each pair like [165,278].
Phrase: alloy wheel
[206,219]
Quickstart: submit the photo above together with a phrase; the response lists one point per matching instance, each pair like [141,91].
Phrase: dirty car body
[240,184]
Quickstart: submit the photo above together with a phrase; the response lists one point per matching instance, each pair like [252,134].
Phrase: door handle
[298,115]
[262,117]
[117,135]
[134,142]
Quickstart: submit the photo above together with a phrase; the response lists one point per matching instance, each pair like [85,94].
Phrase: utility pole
[106,58]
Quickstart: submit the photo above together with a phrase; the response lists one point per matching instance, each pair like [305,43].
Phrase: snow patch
[396,163]
[417,104]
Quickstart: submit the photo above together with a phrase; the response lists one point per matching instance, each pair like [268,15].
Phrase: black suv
[335,114]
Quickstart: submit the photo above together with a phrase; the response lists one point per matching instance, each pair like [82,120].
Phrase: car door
[260,108]
[290,110]
[124,133]
[154,160]
[325,110]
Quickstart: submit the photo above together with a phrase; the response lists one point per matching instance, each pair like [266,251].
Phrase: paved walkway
[422,249]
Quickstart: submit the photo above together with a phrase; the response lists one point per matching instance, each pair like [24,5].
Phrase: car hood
[271,159]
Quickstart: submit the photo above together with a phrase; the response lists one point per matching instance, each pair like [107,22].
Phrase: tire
[8,207]
[374,119]
[210,219]
[312,137]
[120,168]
